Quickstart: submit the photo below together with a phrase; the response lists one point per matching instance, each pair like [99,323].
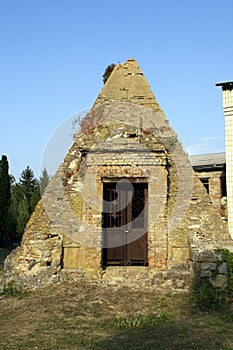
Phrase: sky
[54,53]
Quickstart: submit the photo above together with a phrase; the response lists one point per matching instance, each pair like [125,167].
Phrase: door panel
[115,254]
[125,224]
[113,222]
[137,251]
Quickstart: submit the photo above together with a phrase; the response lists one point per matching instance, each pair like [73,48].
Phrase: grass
[85,316]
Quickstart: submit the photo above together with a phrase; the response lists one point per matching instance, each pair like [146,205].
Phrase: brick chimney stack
[227,98]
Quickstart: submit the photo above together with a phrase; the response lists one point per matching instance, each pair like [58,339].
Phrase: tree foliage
[5,196]
[25,196]
[29,189]
[44,180]
[18,200]
[108,72]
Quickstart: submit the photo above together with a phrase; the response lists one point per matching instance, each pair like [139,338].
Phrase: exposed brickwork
[214,179]
[122,138]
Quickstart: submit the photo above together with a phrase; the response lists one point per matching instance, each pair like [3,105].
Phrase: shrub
[227,257]
[207,297]
[12,290]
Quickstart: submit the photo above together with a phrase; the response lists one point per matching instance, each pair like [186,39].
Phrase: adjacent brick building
[227,99]
[211,170]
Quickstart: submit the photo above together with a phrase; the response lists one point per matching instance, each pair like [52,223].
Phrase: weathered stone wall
[65,232]
[120,139]
[210,266]
[39,258]
[127,84]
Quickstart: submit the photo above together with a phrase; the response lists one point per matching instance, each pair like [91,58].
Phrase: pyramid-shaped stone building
[125,206]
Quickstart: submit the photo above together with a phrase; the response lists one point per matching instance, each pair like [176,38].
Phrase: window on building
[205,183]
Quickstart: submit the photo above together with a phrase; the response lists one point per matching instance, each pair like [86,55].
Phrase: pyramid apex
[127,83]
[131,63]
[131,60]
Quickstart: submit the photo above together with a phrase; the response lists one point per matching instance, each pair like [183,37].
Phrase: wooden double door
[125,238]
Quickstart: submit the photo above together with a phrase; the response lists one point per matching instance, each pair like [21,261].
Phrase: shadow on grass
[164,337]
[76,318]
[169,337]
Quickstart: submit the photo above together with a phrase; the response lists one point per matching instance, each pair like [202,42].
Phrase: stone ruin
[125,206]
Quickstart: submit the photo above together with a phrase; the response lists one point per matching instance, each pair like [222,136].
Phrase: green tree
[24,196]
[22,218]
[44,180]
[5,196]
[29,189]
[11,226]
[15,205]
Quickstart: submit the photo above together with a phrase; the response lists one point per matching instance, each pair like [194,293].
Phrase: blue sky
[54,52]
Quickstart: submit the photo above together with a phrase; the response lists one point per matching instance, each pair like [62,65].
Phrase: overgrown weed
[13,290]
[141,321]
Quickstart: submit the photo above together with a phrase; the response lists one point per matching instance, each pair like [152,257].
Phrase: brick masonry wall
[65,231]
[215,185]
[125,135]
